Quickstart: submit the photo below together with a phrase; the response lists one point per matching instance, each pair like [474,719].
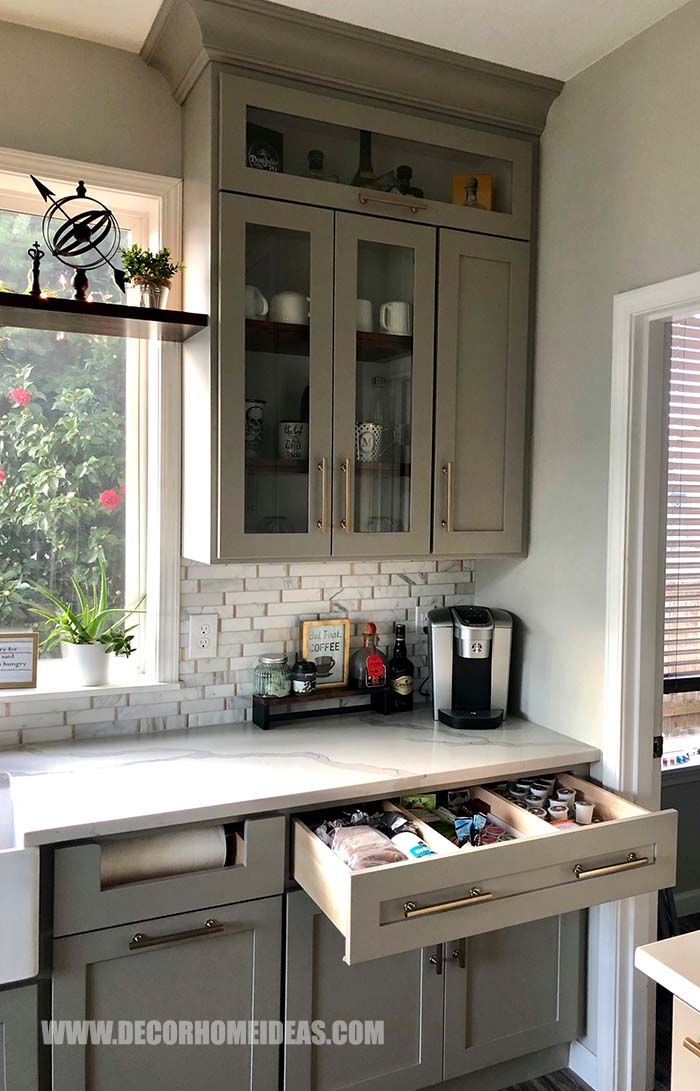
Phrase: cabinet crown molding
[267,39]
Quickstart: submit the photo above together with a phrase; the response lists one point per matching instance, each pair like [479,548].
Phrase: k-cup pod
[539,812]
[566,795]
[558,810]
[584,812]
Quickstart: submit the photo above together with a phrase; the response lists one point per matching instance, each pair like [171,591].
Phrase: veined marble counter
[65,791]
[675,964]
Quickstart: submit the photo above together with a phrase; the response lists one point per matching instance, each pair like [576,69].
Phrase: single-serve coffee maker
[469,648]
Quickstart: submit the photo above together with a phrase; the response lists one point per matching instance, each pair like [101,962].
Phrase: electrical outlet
[421,618]
[204,635]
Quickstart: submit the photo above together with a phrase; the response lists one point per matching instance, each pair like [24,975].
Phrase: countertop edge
[290,802]
[653,966]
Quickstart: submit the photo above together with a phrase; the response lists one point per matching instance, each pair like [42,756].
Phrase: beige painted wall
[620,208]
[72,98]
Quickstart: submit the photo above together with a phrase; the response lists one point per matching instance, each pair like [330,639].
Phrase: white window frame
[151,205]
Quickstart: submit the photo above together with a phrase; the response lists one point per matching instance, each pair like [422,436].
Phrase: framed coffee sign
[18,658]
[327,644]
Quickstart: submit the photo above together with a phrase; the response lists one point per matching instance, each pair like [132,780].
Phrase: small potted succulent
[89,633]
[149,276]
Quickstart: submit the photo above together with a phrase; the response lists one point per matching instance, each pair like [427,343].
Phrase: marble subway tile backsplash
[259,607]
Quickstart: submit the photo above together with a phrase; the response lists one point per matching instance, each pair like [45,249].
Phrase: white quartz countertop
[66,791]
[675,964]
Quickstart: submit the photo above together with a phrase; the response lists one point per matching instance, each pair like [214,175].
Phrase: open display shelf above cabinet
[105,319]
[290,339]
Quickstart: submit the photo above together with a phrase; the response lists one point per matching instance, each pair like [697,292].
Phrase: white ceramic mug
[256,306]
[293,440]
[292,307]
[368,441]
[395,317]
[365,318]
[254,421]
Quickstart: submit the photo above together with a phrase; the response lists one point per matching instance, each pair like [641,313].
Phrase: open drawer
[463,892]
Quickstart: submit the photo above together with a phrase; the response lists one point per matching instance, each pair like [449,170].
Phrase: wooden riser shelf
[103,319]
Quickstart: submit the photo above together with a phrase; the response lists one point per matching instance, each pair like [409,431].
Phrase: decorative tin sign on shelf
[327,644]
[19,653]
[82,233]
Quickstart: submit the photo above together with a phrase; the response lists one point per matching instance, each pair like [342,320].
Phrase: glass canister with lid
[272,677]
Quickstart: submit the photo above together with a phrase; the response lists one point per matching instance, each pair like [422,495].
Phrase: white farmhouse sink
[19,897]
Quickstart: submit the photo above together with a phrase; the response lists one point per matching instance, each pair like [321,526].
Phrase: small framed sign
[327,644]
[19,653]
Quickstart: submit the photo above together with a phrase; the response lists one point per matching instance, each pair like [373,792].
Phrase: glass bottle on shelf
[364,175]
[471,199]
[401,673]
[316,167]
[368,667]
[404,175]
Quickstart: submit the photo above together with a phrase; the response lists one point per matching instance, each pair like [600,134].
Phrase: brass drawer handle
[389,199]
[211,928]
[411,910]
[448,522]
[323,521]
[345,523]
[691,1046]
[632,861]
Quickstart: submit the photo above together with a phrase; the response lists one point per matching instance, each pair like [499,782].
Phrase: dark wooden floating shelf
[402,469]
[289,339]
[105,319]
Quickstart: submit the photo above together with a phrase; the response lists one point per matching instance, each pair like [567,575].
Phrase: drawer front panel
[81,905]
[685,1062]
[401,907]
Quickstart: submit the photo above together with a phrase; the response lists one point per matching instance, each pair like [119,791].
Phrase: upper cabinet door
[384,330]
[271,137]
[275,376]
[481,403]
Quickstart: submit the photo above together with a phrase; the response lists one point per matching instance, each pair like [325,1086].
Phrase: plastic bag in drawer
[363,847]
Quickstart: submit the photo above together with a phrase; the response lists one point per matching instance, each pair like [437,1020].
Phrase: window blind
[682,586]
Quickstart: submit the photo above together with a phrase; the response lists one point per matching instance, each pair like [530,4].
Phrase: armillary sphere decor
[82,233]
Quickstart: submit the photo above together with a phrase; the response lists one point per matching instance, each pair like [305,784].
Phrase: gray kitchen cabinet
[512,992]
[19,1039]
[174,968]
[481,395]
[404,991]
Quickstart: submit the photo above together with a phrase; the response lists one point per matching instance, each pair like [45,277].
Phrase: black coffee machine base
[462,717]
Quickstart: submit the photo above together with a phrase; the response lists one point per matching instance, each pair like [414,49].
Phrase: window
[81,439]
[682,598]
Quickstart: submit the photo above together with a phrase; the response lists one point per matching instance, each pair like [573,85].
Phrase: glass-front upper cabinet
[275,379]
[291,144]
[384,292]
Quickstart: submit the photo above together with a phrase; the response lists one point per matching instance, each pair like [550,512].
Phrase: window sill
[53,681]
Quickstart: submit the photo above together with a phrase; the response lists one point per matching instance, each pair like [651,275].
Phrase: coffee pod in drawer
[584,812]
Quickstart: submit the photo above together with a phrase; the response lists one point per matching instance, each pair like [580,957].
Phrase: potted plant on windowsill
[91,633]
[149,276]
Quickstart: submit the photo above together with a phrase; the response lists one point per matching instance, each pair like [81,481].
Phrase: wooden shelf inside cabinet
[375,347]
[397,469]
[276,466]
[286,338]
[104,319]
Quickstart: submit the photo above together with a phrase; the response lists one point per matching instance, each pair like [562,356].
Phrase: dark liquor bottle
[364,175]
[401,673]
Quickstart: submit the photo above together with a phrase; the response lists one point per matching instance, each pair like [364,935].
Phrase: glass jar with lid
[272,677]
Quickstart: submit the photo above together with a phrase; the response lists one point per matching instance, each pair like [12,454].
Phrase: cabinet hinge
[658,746]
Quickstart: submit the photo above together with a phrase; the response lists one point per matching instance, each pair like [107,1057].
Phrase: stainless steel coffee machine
[469,649]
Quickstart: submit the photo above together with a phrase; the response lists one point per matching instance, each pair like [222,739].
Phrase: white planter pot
[89,663]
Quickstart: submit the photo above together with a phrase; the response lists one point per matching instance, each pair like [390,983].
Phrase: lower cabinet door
[19,1039]
[214,965]
[404,991]
[685,1059]
[512,992]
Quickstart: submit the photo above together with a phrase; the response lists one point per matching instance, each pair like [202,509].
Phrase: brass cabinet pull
[411,910]
[211,928]
[632,861]
[447,522]
[411,205]
[436,960]
[691,1046]
[322,523]
[345,523]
